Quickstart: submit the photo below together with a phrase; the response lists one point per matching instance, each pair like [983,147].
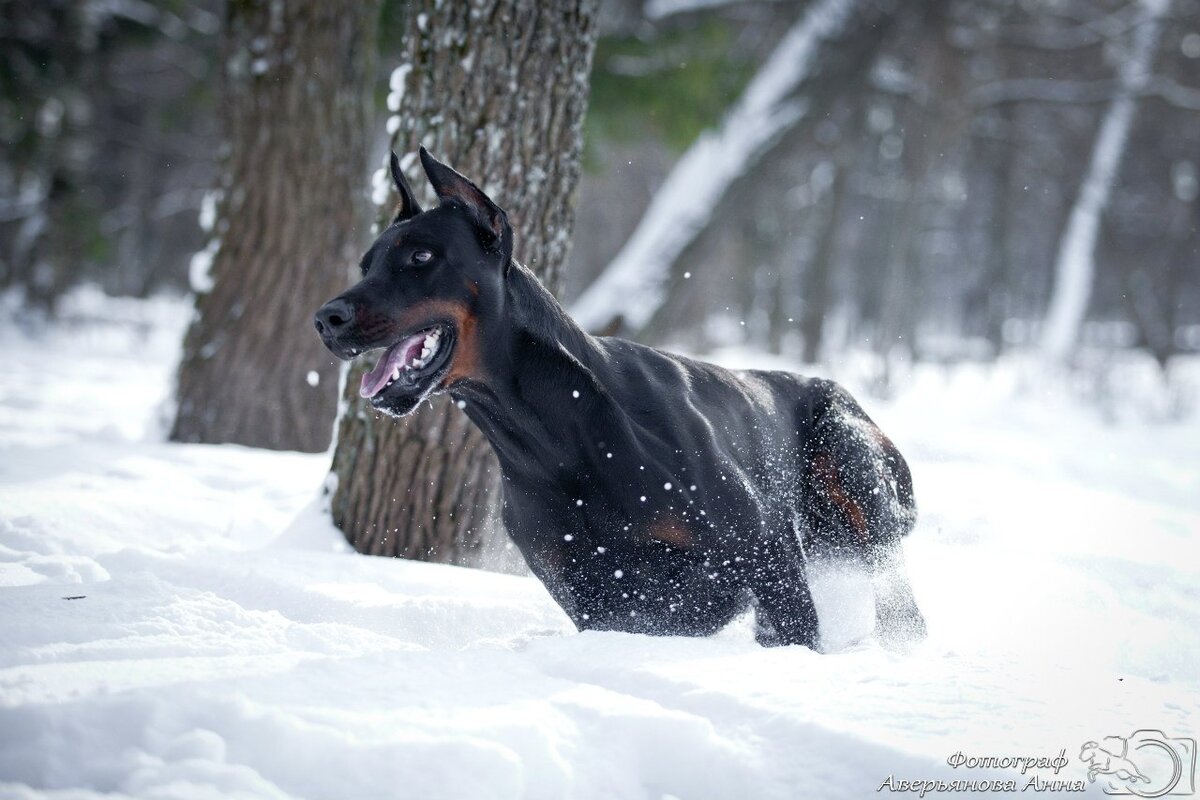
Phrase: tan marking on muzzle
[465,363]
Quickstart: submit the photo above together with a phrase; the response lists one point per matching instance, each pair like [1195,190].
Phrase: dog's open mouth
[410,363]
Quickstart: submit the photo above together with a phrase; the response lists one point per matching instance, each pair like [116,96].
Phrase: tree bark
[818,275]
[296,110]
[498,90]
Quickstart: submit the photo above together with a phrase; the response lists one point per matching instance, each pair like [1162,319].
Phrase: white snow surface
[225,643]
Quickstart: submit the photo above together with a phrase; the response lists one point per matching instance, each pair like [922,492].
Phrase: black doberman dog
[649,492]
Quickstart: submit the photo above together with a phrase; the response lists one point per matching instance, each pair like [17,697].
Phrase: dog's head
[427,282]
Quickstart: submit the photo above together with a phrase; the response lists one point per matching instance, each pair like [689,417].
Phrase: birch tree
[633,286]
[1074,266]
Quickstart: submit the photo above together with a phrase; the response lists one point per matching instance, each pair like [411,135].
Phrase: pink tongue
[395,356]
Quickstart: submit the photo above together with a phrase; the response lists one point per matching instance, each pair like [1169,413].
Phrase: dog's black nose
[334,316]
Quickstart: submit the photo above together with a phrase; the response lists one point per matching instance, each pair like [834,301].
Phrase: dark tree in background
[105,142]
[498,90]
[296,117]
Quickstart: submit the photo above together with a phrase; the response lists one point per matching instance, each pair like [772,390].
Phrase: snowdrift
[180,621]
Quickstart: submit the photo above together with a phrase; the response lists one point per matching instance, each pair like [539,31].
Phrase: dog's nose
[334,316]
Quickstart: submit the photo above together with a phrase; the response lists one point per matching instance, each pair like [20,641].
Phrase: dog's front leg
[775,574]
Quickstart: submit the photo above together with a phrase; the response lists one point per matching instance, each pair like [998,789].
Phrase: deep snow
[225,643]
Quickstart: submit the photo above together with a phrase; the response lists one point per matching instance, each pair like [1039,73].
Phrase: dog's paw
[899,628]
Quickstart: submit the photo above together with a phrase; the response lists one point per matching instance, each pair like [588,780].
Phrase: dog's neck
[541,372]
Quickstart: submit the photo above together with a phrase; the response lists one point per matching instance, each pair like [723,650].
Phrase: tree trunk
[497,90]
[818,276]
[1074,269]
[296,110]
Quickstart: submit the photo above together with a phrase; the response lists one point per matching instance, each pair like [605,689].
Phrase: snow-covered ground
[177,621]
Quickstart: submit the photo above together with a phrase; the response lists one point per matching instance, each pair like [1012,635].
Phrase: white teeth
[428,348]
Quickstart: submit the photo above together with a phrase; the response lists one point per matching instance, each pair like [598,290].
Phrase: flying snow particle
[619,574]
[667,486]
[568,538]
[575,394]
[578,502]
[1190,45]
[312,377]
[461,403]
[643,498]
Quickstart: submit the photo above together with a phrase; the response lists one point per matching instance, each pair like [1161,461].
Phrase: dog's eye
[422,256]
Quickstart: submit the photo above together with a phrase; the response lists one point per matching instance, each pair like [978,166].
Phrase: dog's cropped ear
[409,207]
[490,217]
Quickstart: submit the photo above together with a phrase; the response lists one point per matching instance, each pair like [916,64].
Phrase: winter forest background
[931,203]
[837,182]
[981,216]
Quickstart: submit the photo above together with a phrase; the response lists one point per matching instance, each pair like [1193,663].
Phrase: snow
[634,282]
[661,9]
[225,643]
[200,277]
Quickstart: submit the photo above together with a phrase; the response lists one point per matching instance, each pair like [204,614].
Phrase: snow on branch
[633,284]
[1051,90]
[661,9]
[1016,90]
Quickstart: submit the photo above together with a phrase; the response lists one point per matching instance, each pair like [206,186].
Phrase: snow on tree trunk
[1074,268]
[506,109]
[632,286]
[288,228]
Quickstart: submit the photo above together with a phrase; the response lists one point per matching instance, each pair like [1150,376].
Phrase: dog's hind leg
[857,496]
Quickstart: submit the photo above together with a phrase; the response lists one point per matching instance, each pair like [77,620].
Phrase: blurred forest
[969,159]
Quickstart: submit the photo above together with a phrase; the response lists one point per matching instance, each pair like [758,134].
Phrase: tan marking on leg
[669,530]
[826,472]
